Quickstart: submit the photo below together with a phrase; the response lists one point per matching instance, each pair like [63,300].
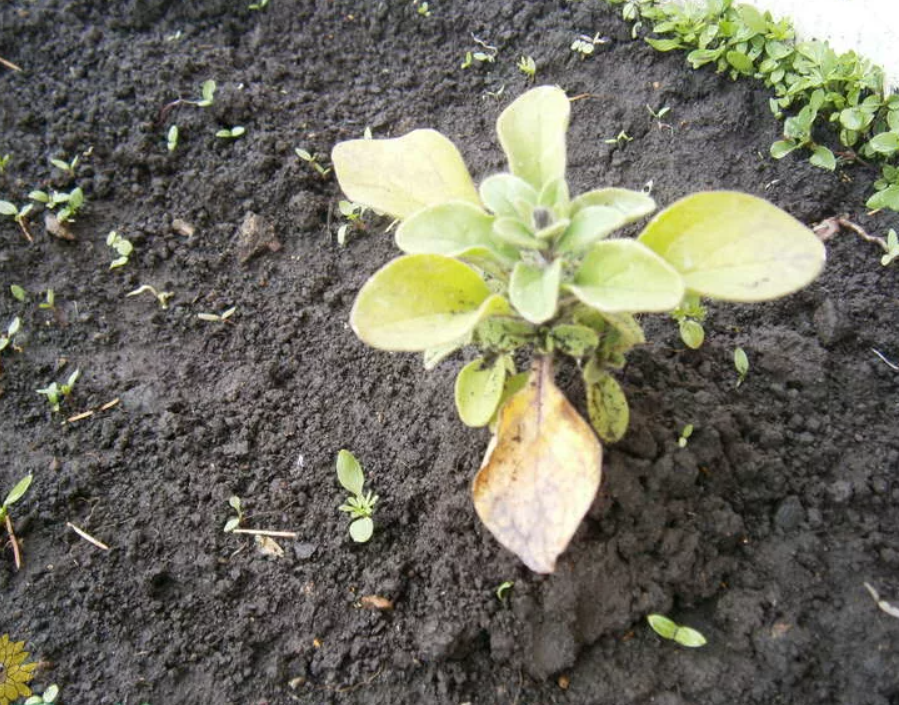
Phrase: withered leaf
[540,473]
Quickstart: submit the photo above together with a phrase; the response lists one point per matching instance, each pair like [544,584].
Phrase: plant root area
[760,533]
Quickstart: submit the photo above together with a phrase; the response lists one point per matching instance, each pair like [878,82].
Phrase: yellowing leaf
[540,473]
[606,405]
[403,175]
[421,302]
[734,246]
[532,133]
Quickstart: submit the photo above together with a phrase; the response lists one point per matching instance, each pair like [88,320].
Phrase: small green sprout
[353,212]
[15,494]
[313,161]
[685,435]
[217,317]
[57,393]
[48,697]
[741,363]
[892,248]
[360,506]
[527,66]
[231,133]
[123,247]
[4,162]
[171,138]
[49,301]
[422,9]
[585,46]
[236,520]
[207,91]
[667,629]
[161,296]
[488,56]
[71,202]
[261,5]
[690,315]
[503,589]
[18,293]
[19,215]
[64,166]
[619,139]
[658,115]
[6,339]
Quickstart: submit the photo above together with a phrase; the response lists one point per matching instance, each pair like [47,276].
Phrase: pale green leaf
[740,61]
[434,356]
[7,208]
[349,472]
[455,229]
[420,302]
[823,158]
[607,406]
[508,196]
[17,492]
[588,226]
[782,148]
[573,339]
[554,195]
[362,529]
[403,175]
[885,143]
[632,205]
[887,198]
[532,133]
[662,626]
[534,291]
[231,524]
[686,636]
[734,246]
[512,231]
[624,276]
[478,391]
[692,333]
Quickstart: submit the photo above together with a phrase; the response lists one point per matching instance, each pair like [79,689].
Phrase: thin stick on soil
[17,557]
[87,537]
[882,604]
[9,64]
[262,532]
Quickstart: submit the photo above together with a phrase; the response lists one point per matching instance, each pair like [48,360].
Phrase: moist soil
[760,533]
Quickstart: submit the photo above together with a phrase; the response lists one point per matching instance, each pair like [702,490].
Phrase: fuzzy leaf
[455,229]
[349,472]
[532,133]
[540,473]
[478,391]
[590,225]
[534,291]
[420,302]
[735,247]
[607,407]
[403,175]
[624,276]
[632,205]
[505,194]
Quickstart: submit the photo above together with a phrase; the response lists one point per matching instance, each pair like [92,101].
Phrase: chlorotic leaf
[455,229]
[402,175]
[540,473]
[349,472]
[420,302]
[532,133]
[534,291]
[590,225]
[623,275]
[504,194]
[479,390]
[632,205]
[362,529]
[607,407]
[735,247]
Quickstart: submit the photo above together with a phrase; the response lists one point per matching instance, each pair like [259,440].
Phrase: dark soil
[760,533]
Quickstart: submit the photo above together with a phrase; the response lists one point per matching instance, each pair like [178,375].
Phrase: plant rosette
[517,263]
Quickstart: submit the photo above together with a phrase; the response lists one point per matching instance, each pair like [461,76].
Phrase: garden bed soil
[760,533]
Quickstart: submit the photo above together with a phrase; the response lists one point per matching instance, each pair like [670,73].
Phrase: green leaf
[664,44]
[854,119]
[753,19]
[741,361]
[51,693]
[887,198]
[419,302]
[512,231]
[740,61]
[662,626]
[7,208]
[632,205]
[823,158]
[573,339]
[478,391]
[16,493]
[362,529]
[556,197]
[607,406]
[231,524]
[624,276]
[434,356]
[734,246]
[455,229]
[685,636]
[534,291]
[403,175]
[532,134]
[885,143]
[782,148]
[508,196]
[349,472]
[692,333]
[588,226]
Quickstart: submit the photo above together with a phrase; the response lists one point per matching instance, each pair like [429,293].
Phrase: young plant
[71,202]
[231,133]
[690,315]
[667,629]
[353,212]
[235,521]
[741,364]
[19,215]
[313,161]
[585,46]
[217,317]
[360,506]
[48,697]
[528,66]
[487,56]
[685,434]
[162,297]
[64,166]
[422,8]
[49,302]
[171,138]
[18,293]
[56,393]
[519,264]
[261,5]
[15,494]
[892,248]
[6,339]
[620,139]
[207,92]
[123,248]
[4,162]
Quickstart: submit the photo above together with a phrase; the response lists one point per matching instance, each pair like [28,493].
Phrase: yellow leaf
[540,473]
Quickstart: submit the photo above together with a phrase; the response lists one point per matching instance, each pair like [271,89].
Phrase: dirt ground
[760,533]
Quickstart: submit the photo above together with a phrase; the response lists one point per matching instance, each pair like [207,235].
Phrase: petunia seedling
[64,166]
[519,264]
[313,161]
[667,629]
[6,338]
[527,66]
[741,364]
[48,697]
[690,315]
[123,248]
[216,317]
[360,505]
[892,248]
[56,393]
[235,521]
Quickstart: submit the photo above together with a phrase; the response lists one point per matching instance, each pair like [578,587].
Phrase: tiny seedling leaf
[349,473]
[692,333]
[741,363]
[362,529]
[662,626]
[17,492]
[685,636]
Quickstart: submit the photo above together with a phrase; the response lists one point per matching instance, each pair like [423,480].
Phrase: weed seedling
[487,56]
[353,212]
[892,248]
[503,590]
[217,317]
[48,697]
[422,8]
[71,202]
[520,267]
[620,139]
[741,364]
[123,248]
[313,161]
[64,166]
[6,339]
[690,315]
[685,434]
[261,5]
[4,162]
[360,506]
[49,302]
[667,629]
[162,297]
[207,92]
[231,133]
[15,494]
[171,138]
[19,215]
[585,46]
[18,293]
[235,521]
[57,393]
[528,66]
